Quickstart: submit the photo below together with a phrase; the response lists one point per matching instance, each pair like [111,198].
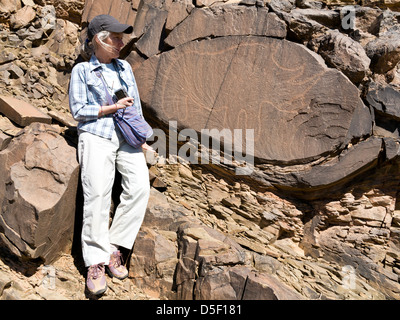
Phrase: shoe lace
[117,259]
[96,271]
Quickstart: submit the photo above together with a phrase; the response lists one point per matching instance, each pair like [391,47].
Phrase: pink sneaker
[96,279]
[115,267]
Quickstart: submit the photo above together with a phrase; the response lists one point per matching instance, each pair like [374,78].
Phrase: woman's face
[115,40]
[113,45]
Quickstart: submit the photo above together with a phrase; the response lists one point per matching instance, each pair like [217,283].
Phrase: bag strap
[99,74]
[116,67]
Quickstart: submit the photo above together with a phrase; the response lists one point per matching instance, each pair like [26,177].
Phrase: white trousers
[98,158]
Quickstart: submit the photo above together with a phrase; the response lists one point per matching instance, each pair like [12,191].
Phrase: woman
[101,149]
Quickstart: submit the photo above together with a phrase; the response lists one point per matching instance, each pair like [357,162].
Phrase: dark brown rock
[384,99]
[64,39]
[8,6]
[384,52]
[224,66]
[345,54]
[301,28]
[360,157]
[215,285]
[226,21]
[160,214]
[291,98]
[124,11]
[149,43]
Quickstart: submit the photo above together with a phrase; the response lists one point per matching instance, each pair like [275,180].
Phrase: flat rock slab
[345,166]
[298,108]
[21,112]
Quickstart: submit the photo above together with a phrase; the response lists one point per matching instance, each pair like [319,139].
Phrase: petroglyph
[299,108]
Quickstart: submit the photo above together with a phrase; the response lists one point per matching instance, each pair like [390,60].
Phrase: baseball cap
[105,22]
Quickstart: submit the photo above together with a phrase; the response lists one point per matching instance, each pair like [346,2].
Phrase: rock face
[240,238]
[186,260]
[38,48]
[291,98]
[291,102]
[219,22]
[317,218]
[38,193]
[317,135]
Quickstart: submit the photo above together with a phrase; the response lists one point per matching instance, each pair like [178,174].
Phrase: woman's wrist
[104,110]
[119,106]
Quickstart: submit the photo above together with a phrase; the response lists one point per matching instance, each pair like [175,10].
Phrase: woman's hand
[124,102]
[145,146]
[121,104]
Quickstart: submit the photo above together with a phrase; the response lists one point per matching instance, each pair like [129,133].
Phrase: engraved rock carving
[299,109]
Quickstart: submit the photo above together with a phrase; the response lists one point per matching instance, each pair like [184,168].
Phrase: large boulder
[384,99]
[38,193]
[280,89]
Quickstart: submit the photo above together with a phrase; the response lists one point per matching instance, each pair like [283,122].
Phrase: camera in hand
[120,94]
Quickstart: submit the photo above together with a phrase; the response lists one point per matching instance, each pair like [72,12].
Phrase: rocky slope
[315,218]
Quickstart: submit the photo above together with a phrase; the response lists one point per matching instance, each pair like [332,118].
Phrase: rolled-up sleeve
[79,105]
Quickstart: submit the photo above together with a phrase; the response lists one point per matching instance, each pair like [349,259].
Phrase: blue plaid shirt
[87,94]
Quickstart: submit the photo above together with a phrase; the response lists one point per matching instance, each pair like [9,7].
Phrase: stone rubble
[273,244]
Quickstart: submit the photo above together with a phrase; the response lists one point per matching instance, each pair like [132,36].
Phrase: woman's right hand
[121,104]
[124,102]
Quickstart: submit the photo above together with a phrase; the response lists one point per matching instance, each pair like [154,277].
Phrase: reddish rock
[281,90]
[226,21]
[4,140]
[21,112]
[22,17]
[38,193]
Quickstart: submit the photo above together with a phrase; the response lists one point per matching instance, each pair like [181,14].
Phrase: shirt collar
[95,63]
